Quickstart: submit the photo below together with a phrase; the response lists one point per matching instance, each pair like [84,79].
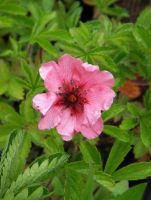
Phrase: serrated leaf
[38,172]
[22,195]
[135,171]
[14,161]
[117,154]
[37,194]
[144,17]
[142,36]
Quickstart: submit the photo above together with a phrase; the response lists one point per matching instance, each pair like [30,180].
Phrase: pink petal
[92,112]
[91,76]
[90,67]
[50,120]
[46,68]
[106,99]
[92,131]
[53,81]
[68,66]
[66,127]
[100,98]
[107,78]
[42,102]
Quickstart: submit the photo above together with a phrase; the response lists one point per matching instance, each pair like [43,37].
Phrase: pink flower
[77,93]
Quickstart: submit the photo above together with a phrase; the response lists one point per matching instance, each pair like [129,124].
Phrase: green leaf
[38,172]
[27,71]
[135,171]
[27,109]
[57,34]
[113,111]
[116,132]
[135,193]
[144,18]
[54,144]
[37,194]
[6,22]
[87,192]
[79,166]
[142,36]
[90,153]
[5,130]
[9,196]
[107,62]
[47,46]
[12,8]
[119,148]
[128,123]
[48,5]
[139,148]
[133,109]
[13,164]
[22,195]
[15,89]
[145,132]
[5,75]
[73,185]
[105,180]
[41,23]
[9,115]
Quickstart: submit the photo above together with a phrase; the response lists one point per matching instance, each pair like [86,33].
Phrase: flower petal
[52,81]
[92,131]
[66,127]
[46,68]
[42,102]
[100,98]
[92,76]
[106,98]
[107,78]
[89,67]
[50,120]
[68,66]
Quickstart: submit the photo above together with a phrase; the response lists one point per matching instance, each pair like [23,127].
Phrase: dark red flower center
[72,95]
[72,98]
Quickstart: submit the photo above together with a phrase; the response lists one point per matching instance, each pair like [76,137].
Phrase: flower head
[77,93]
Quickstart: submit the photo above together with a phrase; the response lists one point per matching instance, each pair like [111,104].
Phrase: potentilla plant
[76,94]
[97,80]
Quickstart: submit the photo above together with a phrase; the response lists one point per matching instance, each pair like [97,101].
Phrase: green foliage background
[36,31]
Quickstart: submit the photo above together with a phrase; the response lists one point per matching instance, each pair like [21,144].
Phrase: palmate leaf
[13,159]
[38,172]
